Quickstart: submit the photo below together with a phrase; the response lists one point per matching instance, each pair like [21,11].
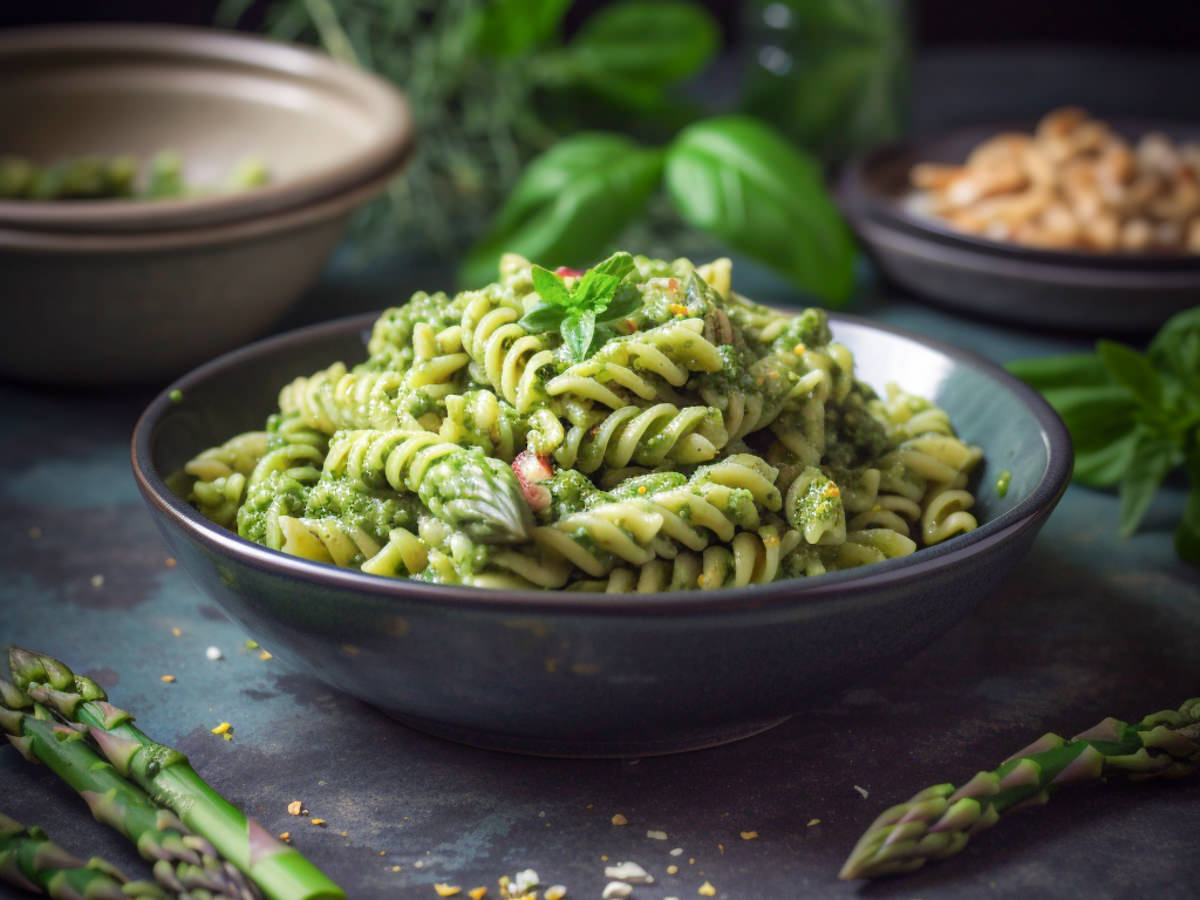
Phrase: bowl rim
[859,196]
[66,243]
[170,45]
[843,586]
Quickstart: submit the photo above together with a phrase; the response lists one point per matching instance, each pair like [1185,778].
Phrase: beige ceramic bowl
[114,291]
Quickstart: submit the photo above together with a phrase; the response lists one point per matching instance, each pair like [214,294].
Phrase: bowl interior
[878,183]
[216,98]
[1018,431]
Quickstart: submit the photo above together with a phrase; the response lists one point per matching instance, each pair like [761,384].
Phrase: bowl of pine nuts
[1072,222]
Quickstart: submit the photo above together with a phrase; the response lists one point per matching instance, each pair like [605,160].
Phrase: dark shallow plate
[559,673]
[1075,291]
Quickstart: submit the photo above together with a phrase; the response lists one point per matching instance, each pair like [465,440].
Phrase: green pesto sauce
[810,328]
[648,484]
[1002,483]
[816,505]
[854,437]
[571,492]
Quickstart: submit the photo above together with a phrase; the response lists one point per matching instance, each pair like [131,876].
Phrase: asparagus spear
[281,871]
[30,860]
[183,863]
[938,822]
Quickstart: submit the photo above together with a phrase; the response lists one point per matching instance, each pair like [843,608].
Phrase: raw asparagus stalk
[30,860]
[938,822]
[279,870]
[183,863]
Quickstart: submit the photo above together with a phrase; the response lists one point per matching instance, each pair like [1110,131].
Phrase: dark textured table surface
[1089,626]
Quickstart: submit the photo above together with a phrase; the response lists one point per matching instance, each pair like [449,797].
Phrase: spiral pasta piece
[644,437]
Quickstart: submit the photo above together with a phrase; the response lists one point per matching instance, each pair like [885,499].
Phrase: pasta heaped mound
[634,427]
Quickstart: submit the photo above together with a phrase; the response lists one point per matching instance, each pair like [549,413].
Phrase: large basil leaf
[568,204]
[1152,460]
[1097,417]
[630,52]
[740,180]
[1187,535]
[1133,370]
[1071,370]
[509,27]
[831,74]
[1176,348]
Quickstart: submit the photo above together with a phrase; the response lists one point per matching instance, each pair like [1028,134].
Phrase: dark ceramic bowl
[1075,291]
[591,674]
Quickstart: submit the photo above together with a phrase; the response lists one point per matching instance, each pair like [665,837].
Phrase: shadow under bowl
[557,673]
[1076,291]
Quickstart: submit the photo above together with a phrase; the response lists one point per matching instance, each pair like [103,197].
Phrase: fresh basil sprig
[1133,417]
[602,293]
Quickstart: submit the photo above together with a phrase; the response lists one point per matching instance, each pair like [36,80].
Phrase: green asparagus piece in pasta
[938,822]
[279,870]
[30,860]
[474,493]
[182,862]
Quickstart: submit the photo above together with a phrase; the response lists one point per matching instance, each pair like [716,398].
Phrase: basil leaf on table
[1176,348]
[1096,417]
[1104,463]
[508,27]
[569,203]
[1133,370]
[740,180]
[1187,535]
[1070,370]
[1153,458]
[631,52]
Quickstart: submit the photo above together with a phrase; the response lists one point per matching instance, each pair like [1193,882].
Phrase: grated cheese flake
[672,869]
[619,819]
[168,679]
[477,893]
[316,821]
[656,835]
[749,835]
[812,822]
[295,808]
[554,892]
[707,890]
[285,835]
[447,890]
[223,728]
[177,631]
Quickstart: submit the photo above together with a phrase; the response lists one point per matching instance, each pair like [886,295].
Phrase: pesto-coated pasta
[688,439]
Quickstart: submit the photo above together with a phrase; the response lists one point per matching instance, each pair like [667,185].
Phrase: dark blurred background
[934,22]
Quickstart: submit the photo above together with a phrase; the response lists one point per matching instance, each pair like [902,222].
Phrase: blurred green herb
[1134,418]
[491,85]
[831,74]
[732,177]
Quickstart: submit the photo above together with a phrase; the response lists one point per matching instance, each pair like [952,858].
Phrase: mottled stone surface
[1089,626]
